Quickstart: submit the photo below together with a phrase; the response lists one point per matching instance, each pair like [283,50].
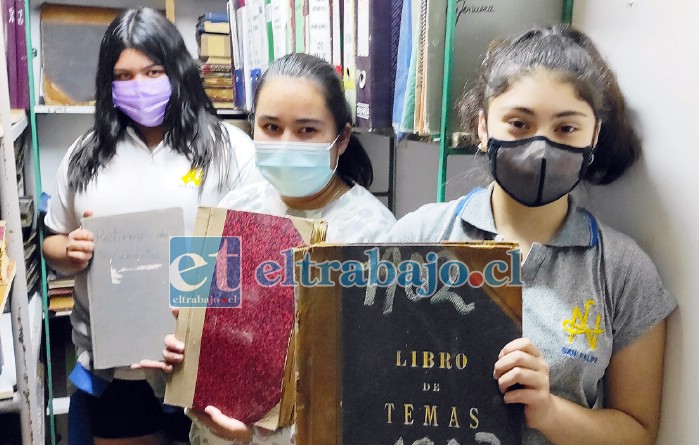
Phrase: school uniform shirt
[355,217]
[138,179]
[588,293]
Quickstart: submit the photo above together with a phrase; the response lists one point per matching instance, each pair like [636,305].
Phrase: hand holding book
[79,246]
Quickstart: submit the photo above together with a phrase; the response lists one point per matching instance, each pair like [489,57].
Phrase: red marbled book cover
[236,352]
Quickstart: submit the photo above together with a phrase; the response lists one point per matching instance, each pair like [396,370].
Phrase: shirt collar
[136,140]
[579,228]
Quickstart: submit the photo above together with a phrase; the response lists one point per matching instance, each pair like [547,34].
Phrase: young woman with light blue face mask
[314,167]
[547,112]
[156,143]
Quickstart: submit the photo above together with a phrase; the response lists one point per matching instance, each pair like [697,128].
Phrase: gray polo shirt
[588,292]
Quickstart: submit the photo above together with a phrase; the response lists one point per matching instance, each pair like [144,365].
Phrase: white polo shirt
[139,179]
[355,217]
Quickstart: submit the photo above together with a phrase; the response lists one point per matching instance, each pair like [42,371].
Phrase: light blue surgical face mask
[296,169]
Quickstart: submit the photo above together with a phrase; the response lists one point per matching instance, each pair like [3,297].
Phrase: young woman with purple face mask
[547,112]
[156,143]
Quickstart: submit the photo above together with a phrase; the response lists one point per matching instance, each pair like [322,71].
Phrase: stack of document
[214,40]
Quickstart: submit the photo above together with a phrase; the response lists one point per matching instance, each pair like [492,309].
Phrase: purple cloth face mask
[144,101]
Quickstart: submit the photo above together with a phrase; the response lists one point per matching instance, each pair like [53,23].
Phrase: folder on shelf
[336,14]
[407,121]
[252,69]
[405,49]
[22,61]
[282,27]
[9,18]
[349,36]
[433,70]
[319,30]
[300,13]
[419,41]
[236,55]
[258,35]
[378,28]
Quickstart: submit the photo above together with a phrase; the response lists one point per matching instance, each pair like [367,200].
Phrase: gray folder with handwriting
[128,285]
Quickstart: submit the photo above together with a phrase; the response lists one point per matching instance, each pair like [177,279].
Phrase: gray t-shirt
[588,293]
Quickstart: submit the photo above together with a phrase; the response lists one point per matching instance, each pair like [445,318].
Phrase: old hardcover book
[127,285]
[396,344]
[67,30]
[238,356]
[214,45]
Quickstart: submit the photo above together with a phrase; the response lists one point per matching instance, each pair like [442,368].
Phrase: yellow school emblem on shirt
[579,324]
[194,176]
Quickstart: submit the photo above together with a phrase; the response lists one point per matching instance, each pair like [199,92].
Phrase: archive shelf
[20,379]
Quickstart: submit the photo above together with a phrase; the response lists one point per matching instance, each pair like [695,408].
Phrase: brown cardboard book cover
[238,348]
[396,343]
[70,42]
[215,45]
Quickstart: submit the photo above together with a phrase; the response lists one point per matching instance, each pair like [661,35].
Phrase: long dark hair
[190,124]
[354,165]
[572,55]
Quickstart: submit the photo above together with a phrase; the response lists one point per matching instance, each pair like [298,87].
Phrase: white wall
[653,45]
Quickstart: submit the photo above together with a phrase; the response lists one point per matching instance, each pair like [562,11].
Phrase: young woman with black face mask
[548,113]
[156,143]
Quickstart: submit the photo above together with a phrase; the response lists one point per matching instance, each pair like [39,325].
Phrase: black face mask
[536,171]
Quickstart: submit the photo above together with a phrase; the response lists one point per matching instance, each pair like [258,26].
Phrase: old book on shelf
[70,42]
[128,285]
[238,345]
[388,354]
